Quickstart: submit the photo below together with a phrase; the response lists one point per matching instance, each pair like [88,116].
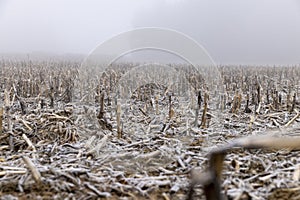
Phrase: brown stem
[101,112]
[203,121]
[1,118]
[119,128]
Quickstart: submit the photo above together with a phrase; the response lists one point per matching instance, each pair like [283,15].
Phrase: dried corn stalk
[210,179]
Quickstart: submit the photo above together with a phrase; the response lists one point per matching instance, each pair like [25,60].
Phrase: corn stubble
[69,130]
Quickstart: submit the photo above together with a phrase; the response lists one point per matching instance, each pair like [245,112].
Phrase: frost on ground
[61,137]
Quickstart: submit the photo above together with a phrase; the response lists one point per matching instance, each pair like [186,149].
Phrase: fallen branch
[28,141]
[292,120]
[35,173]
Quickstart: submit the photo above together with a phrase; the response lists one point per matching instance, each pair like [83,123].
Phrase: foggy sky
[232,31]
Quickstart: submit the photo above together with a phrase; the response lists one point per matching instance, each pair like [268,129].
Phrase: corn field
[65,133]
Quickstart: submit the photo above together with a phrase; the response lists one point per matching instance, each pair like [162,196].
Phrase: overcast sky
[232,31]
